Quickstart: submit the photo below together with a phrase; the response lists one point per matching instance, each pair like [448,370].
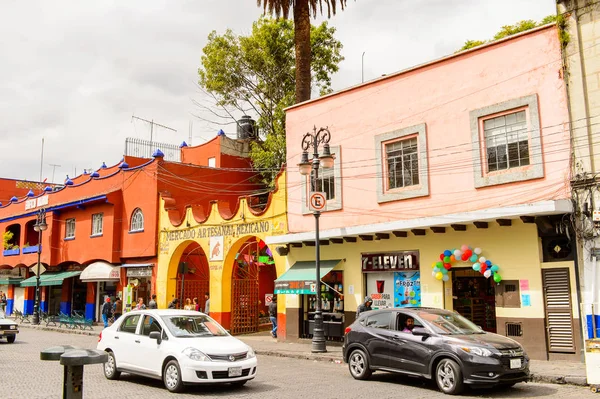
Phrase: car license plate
[515,363]
[235,371]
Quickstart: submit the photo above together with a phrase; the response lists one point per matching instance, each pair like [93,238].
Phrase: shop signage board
[390,261]
[139,272]
[295,287]
[407,289]
[217,231]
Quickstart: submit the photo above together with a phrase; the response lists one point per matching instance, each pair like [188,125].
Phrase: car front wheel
[449,377]
[358,363]
[172,377]
[110,368]
[11,338]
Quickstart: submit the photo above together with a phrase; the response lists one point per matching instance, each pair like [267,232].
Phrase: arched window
[137,220]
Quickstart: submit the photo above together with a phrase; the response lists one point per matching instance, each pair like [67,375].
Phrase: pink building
[467,152]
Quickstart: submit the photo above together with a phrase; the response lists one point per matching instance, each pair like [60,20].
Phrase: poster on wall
[407,289]
[216,248]
[380,287]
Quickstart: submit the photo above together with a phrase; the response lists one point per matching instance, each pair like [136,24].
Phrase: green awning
[4,280]
[49,278]
[301,277]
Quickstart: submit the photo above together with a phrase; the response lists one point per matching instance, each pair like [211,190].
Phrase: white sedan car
[8,328]
[178,346]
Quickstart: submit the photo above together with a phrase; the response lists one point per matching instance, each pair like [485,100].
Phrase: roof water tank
[246,128]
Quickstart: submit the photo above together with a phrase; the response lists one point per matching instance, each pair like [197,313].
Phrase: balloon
[495,268]
[433,264]
[441,256]
[447,253]
[468,252]
[482,260]
[452,258]
[457,253]
[439,264]
[487,273]
[464,257]
[473,258]
[477,251]
[497,278]
[476,267]
[447,266]
[464,247]
[446,277]
[444,271]
[434,273]
[483,268]
[488,262]
[446,259]
[436,269]
[439,275]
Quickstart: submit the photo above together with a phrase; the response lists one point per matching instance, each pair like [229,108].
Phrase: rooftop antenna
[42,161]
[152,123]
[191,128]
[54,166]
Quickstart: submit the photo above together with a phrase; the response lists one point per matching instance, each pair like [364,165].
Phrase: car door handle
[397,338]
[137,341]
[116,337]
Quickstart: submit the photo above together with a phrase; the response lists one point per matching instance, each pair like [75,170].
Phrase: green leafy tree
[257,73]
[303,44]
[508,30]
[7,237]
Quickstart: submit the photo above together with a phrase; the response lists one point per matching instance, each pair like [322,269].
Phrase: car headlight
[477,350]
[195,354]
[13,327]
[250,354]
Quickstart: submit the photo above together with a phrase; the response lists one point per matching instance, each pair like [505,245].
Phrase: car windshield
[449,323]
[184,326]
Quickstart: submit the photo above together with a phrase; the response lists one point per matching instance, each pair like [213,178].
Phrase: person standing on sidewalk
[207,303]
[118,308]
[106,311]
[152,304]
[273,316]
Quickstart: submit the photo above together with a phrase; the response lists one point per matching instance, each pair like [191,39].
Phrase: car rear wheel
[449,377]
[358,364]
[110,368]
[11,338]
[172,377]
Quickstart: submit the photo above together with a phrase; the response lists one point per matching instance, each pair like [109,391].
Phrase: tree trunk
[303,50]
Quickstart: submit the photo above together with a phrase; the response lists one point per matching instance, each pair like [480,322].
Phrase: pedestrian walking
[364,306]
[207,303]
[3,302]
[107,310]
[152,304]
[273,316]
[196,304]
[188,304]
[173,304]
[140,304]
[118,308]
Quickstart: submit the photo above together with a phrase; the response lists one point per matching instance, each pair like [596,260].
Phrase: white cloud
[74,72]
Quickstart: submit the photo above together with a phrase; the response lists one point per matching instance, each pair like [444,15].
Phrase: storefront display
[474,298]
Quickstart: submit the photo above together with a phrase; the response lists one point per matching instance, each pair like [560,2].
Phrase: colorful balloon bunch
[465,254]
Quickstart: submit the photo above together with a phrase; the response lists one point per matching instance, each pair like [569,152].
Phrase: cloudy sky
[74,72]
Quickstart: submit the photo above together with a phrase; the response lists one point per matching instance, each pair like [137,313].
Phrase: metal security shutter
[559,317]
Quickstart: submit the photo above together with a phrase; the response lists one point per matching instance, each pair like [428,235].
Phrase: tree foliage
[302,9]
[257,73]
[508,30]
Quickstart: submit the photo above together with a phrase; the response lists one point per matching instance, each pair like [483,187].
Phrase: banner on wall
[407,289]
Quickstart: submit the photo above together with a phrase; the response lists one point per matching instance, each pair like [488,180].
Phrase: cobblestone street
[25,376]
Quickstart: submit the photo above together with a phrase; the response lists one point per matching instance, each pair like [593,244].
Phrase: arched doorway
[252,279]
[193,275]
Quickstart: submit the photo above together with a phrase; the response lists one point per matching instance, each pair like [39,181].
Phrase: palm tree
[302,10]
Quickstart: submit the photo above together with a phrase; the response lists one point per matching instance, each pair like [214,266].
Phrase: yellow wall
[171,248]
[515,249]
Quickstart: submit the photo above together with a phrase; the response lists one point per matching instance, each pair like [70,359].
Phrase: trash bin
[592,361]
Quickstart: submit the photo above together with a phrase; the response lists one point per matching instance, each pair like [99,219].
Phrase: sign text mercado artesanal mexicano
[217,231]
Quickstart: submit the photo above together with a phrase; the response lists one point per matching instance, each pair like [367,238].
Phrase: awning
[49,278]
[300,278]
[137,264]
[100,271]
[4,280]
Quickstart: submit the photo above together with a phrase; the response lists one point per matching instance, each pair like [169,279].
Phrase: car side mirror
[420,331]
[157,335]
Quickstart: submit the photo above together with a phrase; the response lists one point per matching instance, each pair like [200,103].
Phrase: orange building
[102,230]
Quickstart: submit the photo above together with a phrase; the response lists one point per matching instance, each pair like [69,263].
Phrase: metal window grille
[137,220]
[402,163]
[506,141]
[325,183]
[97,223]
[70,228]
[514,329]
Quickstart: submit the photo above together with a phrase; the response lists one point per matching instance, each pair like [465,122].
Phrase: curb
[321,358]
[93,333]
[559,379]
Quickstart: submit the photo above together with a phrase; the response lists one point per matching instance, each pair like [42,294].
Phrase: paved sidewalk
[542,371]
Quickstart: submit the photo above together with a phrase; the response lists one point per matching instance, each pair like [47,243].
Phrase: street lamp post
[306,166]
[39,226]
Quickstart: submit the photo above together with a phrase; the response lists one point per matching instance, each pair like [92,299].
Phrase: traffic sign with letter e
[317,202]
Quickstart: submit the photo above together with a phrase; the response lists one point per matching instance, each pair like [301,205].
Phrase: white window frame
[535,169]
[70,228]
[137,221]
[335,203]
[97,224]
[212,162]
[384,192]
[402,160]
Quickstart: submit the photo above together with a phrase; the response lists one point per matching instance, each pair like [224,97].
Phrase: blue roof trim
[142,165]
[57,207]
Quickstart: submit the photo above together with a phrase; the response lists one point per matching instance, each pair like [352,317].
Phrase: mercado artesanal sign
[219,231]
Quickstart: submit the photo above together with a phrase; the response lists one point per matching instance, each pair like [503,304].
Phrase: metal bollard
[73,359]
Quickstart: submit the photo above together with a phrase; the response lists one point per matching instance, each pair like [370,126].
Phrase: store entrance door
[474,297]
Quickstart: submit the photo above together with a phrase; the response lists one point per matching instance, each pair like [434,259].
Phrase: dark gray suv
[435,344]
